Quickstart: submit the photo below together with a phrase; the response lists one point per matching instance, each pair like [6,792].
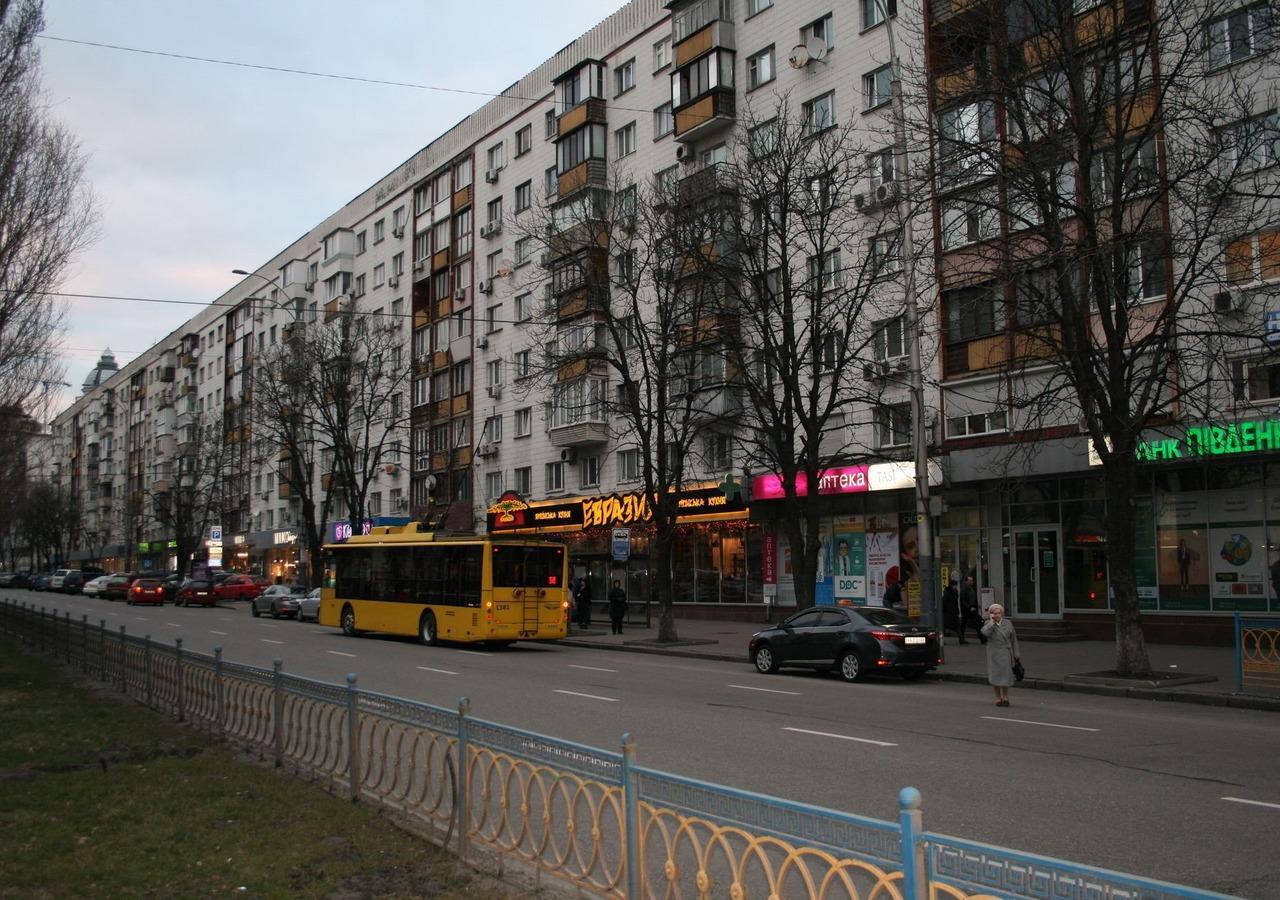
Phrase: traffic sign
[215,533]
[621,544]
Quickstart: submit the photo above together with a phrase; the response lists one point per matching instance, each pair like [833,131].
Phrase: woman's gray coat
[1002,648]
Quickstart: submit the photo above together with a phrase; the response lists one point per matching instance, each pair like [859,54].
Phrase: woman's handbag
[1018,672]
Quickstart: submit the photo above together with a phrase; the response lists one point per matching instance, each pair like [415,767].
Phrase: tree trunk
[1131,648]
[804,553]
[664,583]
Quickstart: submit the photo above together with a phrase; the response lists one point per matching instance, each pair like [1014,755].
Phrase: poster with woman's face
[883,562]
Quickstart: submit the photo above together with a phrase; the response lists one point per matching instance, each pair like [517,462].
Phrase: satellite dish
[799,57]
[431,483]
[816,47]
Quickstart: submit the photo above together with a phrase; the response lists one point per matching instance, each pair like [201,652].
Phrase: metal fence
[1257,653]
[572,814]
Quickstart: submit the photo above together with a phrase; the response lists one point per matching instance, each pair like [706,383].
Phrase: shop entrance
[1036,582]
[958,552]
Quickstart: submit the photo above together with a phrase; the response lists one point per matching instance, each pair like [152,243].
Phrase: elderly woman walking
[1002,652]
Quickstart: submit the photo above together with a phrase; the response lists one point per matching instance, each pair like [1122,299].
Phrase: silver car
[309,606]
[277,600]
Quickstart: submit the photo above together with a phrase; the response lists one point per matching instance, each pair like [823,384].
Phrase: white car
[93,588]
[55,583]
[309,606]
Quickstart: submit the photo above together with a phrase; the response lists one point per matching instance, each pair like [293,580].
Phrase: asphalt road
[1175,791]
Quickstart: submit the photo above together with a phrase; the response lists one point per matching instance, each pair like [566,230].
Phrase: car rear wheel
[348,621]
[850,666]
[253,608]
[427,629]
[275,613]
[765,662]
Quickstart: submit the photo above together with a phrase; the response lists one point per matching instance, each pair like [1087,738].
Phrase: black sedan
[851,640]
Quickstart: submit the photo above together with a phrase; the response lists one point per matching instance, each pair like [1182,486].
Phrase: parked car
[73,582]
[93,587]
[309,606]
[6,579]
[852,641]
[240,587]
[116,587]
[172,582]
[196,591]
[147,590]
[278,600]
[20,580]
[41,582]
[59,575]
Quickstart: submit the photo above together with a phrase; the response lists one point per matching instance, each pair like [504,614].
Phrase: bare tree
[50,519]
[1093,160]
[46,212]
[809,277]
[187,499]
[633,337]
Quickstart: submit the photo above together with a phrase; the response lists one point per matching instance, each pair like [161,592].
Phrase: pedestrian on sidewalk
[617,606]
[582,602]
[969,610]
[1002,653]
[951,610]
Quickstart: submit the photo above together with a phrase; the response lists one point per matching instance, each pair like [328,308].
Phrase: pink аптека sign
[844,480]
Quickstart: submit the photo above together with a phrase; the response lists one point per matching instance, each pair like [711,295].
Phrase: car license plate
[915,640]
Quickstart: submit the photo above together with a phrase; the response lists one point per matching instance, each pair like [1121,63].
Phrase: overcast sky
[199,168]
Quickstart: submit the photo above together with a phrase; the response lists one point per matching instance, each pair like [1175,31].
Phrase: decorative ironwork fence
[572,814]
[1258,653]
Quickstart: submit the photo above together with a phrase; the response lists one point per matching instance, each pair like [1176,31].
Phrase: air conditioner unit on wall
[1230,301]
[569,456]
[460,294]
[486,285]
[486,450]
[491,175]
[397,232]
[393,281]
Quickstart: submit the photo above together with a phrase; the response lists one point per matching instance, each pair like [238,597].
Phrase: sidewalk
[1048,665]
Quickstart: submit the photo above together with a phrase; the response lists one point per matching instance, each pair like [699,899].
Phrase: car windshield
[882,616]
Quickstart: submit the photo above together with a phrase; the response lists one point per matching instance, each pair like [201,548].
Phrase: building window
[361,242]
[665,181]
[379,231]
[877,87]
[524,250]
[550,123]
[757,6]
[493,318]
[662,54]
[1250,145]
[522,481]
[719,451]
[398,217]
[624,140]
[820,30]
[883,254]
[493,485]
[523,363]
[819,113]
[968,219]
[624,77]
[493,212]
[497,157]
[555,477]
[524,422]
[493,370]
[763,139]
[889,339]
[1147,270]
[893,425]
[524,307]
[589,472]
[873,11]
[1131,168]
[462,432]
[882,167]
[397,264]
[379,275]
[375,503]
[1240,34]
[760,68]
[1253,257]
[965,138]
[461,378]
[970,315]
[552,187]
[524,196]
[824,271]
[524,140]
[493,429]
[664,122]
[629,465]
[978,423]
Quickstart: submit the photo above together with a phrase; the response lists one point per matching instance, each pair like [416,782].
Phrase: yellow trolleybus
[403,580]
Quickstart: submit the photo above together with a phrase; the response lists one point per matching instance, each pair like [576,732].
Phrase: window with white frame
[762,140]
[589,472]
[969,218]
[493,318]
[629,464]
[665,181]
[379,231]
[893,425]
[524,196]
[883,254]
[493,373]
[492,263]
[523,363]
[552,180]
[555,477]
[550,123]
[493,212]
[976,423]
[824,271]
[462,432]
[1240,34]
[524,140]
[1250,144]
[421,391]
[821,29]
[522,480]
[524,250]
[493,485]
[375,503]
[361,242]
[877,86]
[460,324]
[1147,270]
[624,140]
[379,274]
[397,264]
[889,340]
[664,122]
[398,217]
[497,157]
[760,69]
[662,53]
[624,77]
[718,451]
[874,11]
[460,380]
[882,167]
[966,140]
[524,307]
[1131,169]
[1030,194]
[820,113]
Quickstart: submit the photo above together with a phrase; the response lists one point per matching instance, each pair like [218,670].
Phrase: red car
[240,587]
[147,590]
[194,591]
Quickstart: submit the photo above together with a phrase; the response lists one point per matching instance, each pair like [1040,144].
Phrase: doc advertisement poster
[849,561]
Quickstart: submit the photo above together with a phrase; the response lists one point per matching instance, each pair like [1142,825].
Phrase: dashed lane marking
[747,687]
[589,696]
[1251,802]
[1045,724]
[840,737]
[438,671]
[592,668]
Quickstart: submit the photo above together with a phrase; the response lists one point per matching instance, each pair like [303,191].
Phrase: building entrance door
[1037,572]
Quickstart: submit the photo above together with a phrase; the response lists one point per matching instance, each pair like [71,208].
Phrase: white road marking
[476,652]
[269,641]
[268,625]
[440,671]
[340,653]
[1251,802]
[842,737]
[173,624]
[1045,724]
[592,668]
[747,687]
[589,696]
[223,633]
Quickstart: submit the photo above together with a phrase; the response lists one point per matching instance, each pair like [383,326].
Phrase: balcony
[946,10]
[326,481]
[591,173]
[721,402]
[161,486]
[331,309]
[282,490]
[579,434]
[701,28]
[711,113]
[440,260]
[582,300]
[592,111]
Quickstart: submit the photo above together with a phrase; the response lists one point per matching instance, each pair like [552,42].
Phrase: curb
[1233,701]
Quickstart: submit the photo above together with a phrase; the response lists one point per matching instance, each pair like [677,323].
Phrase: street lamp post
[929,596]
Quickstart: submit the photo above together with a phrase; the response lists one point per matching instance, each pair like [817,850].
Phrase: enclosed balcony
[577,416]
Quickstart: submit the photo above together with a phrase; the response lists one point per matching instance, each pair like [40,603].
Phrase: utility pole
[930,598]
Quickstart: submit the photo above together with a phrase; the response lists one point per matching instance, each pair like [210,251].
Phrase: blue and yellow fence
[571,815]
[1257,653]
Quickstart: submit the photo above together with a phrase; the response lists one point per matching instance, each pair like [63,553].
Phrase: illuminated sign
[1199,441]
[509,512]
[889,476]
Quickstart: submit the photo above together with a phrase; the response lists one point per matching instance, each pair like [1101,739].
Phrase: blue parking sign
[621,544]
